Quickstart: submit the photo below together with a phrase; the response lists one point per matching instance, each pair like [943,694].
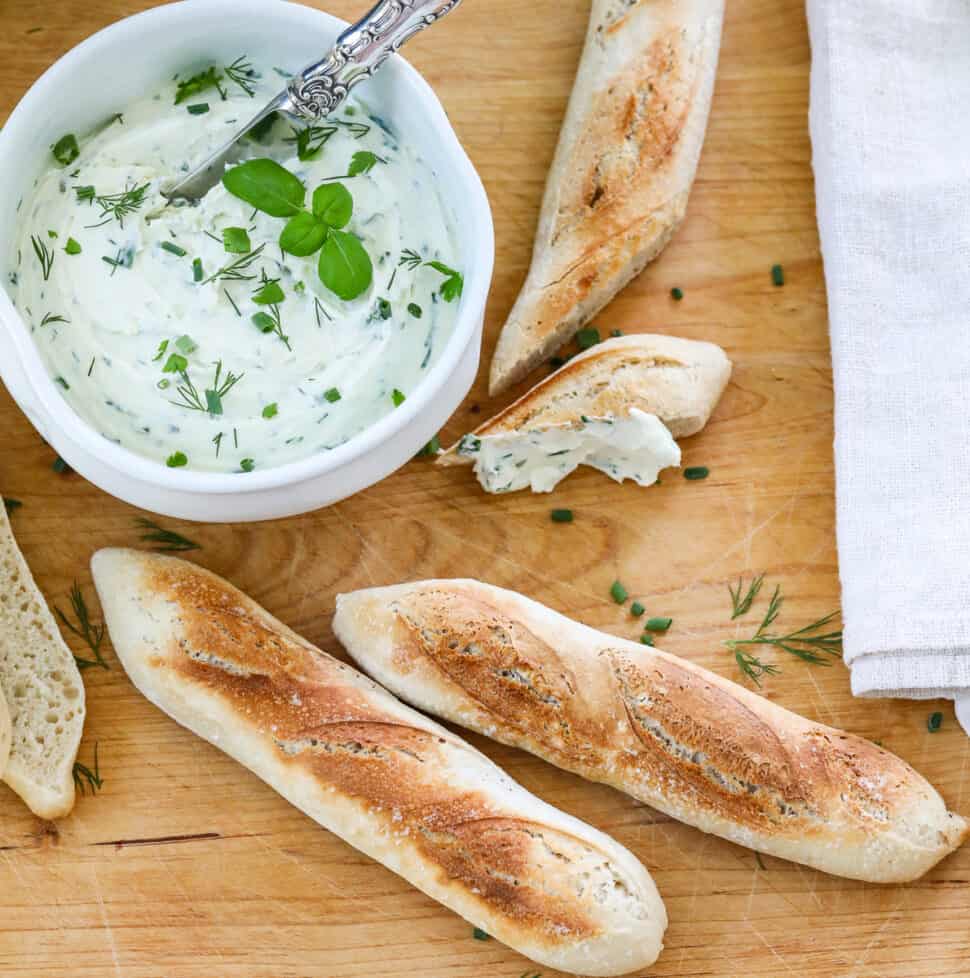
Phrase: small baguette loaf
[680,381]
[42,686]
[671,734]
[626,160]
[387,780]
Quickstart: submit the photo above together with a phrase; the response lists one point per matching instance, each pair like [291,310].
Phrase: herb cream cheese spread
[269,322]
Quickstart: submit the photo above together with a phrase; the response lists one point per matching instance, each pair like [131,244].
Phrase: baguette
[387,780]
[40,682]
[619,183]
[671,734]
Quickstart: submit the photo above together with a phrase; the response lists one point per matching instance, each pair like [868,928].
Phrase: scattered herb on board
[637,609]
[66,149]
[761,865]
[618,592]
[85,778]
[658,624]
[61,467]
[777,275]
[811,644]
[741,605]
[90,633]
[934,721]
[676,294]
[10,505]
[479,934]
[166,541]
[561,516]
[646,638]
[696,473]
[588,337]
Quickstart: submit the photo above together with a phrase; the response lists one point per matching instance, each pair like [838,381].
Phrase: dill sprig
[241,73]
[311,140]
[812,644]
[85,778]
[237,269]
[356,129]
[51,318]
[211,402]
[410,259]
[114,206]
[742,605]
[44,255]
[166,541]
[90,633]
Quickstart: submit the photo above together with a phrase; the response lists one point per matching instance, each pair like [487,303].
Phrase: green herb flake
[363,162]
[397,397]
[236,241]
[176,460]
[676,294]
[247,465]
[384,308]
[332,395]
[588,337]
[618,592]
[165,541]
[934,721]
[84,777]
[200,108]
[561,516]
[60,380]
[66,149]
[162,347]
[197,272]
[777,275]
[175,364]
[60,466]
[271,410]
[658,624]
[647,639]
[270,293]
[72,247]
[454,283]
[173,249]
[10,504]
[480,935]
[431,449]
[637,609]
[415,310]
[696,472]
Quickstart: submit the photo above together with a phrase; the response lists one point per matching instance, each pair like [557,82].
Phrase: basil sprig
[344,266]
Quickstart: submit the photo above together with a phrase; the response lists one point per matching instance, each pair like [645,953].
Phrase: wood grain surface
[186,866]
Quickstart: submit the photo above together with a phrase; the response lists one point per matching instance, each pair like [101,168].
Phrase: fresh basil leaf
[66,149]
[363,162]
[345,267]
[236,241]
[303,235]
[270,294]
[333,204]
[267,186]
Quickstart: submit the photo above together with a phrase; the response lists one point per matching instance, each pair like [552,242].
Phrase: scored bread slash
[42,686]
[618,187]
[617,406]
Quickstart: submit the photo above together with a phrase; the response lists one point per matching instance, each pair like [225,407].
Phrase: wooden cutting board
[186,866]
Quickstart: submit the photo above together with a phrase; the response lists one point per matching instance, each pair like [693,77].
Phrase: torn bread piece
[617,407]
[389,781]
[695,746]
[42,686]
[619,183]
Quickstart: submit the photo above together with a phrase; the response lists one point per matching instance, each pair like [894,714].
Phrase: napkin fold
[890,125]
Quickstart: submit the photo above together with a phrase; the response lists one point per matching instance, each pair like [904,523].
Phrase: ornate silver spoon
[322,86]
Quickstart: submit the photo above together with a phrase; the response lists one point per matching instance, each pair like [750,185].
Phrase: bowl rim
[478,268]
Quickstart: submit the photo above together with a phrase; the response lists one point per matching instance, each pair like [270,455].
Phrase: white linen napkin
[890,123]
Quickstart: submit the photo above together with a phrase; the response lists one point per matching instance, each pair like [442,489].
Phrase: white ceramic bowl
[136,55]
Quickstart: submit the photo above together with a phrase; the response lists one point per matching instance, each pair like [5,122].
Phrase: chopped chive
[658,624]
[616,332]
[197,273]
[271,410]
[60,380]
[397,397]
[384,308]
[247,465]
[637,609]
[200,108]
[176,460]
[186,344]
[479,934]
[777,275]
[562,516]
[618,592]
[332,395]
[934,722]
[696,472]
[676,294]
[72,247]
[172,248]
[588,337]
[60,466]
[415,310]
[646,638]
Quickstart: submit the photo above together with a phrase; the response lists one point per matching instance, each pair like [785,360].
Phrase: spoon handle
[360,51]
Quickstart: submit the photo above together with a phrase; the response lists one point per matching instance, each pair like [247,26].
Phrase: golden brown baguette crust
[680,381]
[391,782]
[702,749]
[623,169]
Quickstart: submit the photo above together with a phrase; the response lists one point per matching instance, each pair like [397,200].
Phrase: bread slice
[387,780]
[671,734]
[598,410]
[4,734]
[623,169]
[42,687]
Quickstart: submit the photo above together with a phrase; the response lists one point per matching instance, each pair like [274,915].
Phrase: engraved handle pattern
[360,51]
